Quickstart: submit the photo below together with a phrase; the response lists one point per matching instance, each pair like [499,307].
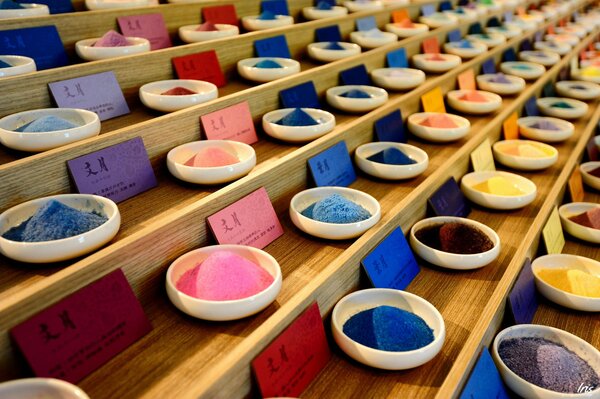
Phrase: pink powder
[211,157]
[436,57]
[405,23]
[474,96]
[439,121]
[111,39]
[207,27]
[224,276]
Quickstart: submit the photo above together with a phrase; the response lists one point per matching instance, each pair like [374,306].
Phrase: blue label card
[475,28]
[531,108]
[275,46]
[391,128]
[509,55]
[42,43]
[523,298]
[328,34]
[330,2]
[391,264]
[548,90]
[355,76]
[445,5]
[488,66]
[332,167]
[454,35]
[448,200]
[365,24]
[526,45]
[427,9]
[397,58]
[493,22]
[277,7]
[55,6]
[508,16]
[485,381]
[303,95]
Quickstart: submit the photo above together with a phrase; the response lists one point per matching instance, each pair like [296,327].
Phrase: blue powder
[355,94]
[392,156]
[465,44]
[323,5]
[10,5]
[55,221]
[270,64]
[562,104]
[267,16]
[334,46]
[46,124]
[297,118]
[389,329]
[336,209]
[4,64]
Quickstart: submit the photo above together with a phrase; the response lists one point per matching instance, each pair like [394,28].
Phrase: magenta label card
[250,221]
[148,26]
[99,93]
[77,335]
[117,172]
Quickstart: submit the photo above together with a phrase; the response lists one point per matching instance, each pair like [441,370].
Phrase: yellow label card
[482,158]
[553,234]
[433,101]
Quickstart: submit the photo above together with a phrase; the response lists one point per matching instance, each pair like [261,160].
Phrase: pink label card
[148,26]
[231,123]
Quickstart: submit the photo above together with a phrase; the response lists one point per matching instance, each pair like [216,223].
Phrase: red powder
[207,27]
[595,172]
[436,57]
[474,96]
[439,121]
[589,219]
[405,23]
[178,91]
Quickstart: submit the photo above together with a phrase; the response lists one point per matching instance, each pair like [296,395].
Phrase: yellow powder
[590,71]
[573,281]
[498,186]
[548,151]
[530,151]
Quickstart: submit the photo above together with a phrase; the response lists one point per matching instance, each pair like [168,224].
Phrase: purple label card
[488,66]
[523,299]
[366,24]
[539,36]
[148,26]
[391,128]
[80,333]
[99,93]
[509,55]
[332,167]
[118,172]
[593,149]
[508,16]
[357,75]
[531,108]
[526,45]
[448,200]
[328,34]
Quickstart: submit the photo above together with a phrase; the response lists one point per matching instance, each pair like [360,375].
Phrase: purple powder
[355,94]
[297,118]
[336,209]
[539,54]
[270,64]
[544,125]
[5,64]
[562,104]
[10,5]
[46,124]
[323,5]
[334,46]
[267,16]
[500,78]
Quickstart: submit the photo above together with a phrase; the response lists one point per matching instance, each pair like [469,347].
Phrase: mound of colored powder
[464,44]
[211,157]
[268,64]
[297,118]
[336,209]
[354,93]
[435,57]
[392,156]
[522,67]
[267,16]
[529,151]
[547,364]
[589,219]
[454,237]
[591,71]
[10,5]
[111,39]
[544,125]
[498,185]
[178,91]
[595,172]
[439,121]
[405,23]
[578,87]
[372,33]
[324,5]
[4,64]
[574,281]
[54,221]
[208,26]
[561,104]
[500,78]
[224,276]
[334,46]
[389,329]
[474,96]
[539,54]
[46,124]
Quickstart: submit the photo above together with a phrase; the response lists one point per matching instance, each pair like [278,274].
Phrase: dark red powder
[456,238]
[595,172]
[178,91]
[589,219]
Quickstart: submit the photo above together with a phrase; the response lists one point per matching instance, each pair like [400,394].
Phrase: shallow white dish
[507,31]
[85,49]
[42,141]
[516,84]
[465,52]
[20,65]
[525,26]
[568,88]
[438,19]
[378,97]
[451,260]
[66,248]
[542,57]
[588,178]
[565,129]
[581,74]
[313,13]
[579,108]
[28,10]
[575,229]
[493,102]
[397,78]
[489,39]
[571,40]
[222,310]
[178,156]
[319,52]
[189,34]
[522,69]
[493,201]
[151,97]
[298,134]
[425,63]
[333,231]
[558,48]
[253,23]
[404,32]
[367,299]
[520,162]
[391,172]
[438,135]
[369,41]
[356,6]
[571,30]
[248,71]
[40,388]
[463,14]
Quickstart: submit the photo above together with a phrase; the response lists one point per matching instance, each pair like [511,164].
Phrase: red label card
[148,26]
[220,14]
[201,66]
[290,363]
[250,221]
[77,335]
[431,46]
[231,123]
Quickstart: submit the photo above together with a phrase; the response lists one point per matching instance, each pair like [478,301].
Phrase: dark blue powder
[392,156]
[4,64]
[267,16]
[336,209]
[267,64]
[55,221]
[323,5]
[355,94]
[334,46]
[46,124]
[389,329]
[297,118]
[10,5]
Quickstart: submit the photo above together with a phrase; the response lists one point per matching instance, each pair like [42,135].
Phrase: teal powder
[270,64]
[355,94]
[297,118]
[5,64]
[561,104]
[46,124]
[336,209]
[389,329]
[521,67]
[323,5]
[267,16]
[10,5]
[334,46]
[392,156]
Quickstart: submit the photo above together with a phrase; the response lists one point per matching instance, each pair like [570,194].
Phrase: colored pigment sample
[323,5]
[522,67]
[464,44]
[267,64]
[500,78]
[111,39]
[547,364]
[574,281]
[435,57]
[527,150]
[336,209]
[334,46]
[474,96]
[389,329]
[55,221]
[211,157]
[439,121]
[267,16]
[595,172]
[208,26]
[562,104]
[589,219]
[539,54]
[590,71]
[4,64]
[297,118]
[498,185]
[178,91]
[578,87]
[10,5]
[455,238]
[355,94]
[392,156]
[46,124]
[544,125]
[224,276]
[405,23]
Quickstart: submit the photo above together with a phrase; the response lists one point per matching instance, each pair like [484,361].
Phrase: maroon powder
[456,238]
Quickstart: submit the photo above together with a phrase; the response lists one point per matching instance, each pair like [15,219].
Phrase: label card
[488,66]
[391,264]
[248,221]
[149,26]
[427,9]
[118,172]
[391,128]
[277,7]
[328,34]
[332,167]
[526,45]
[521,11]
[231,123]
[99,93]
[523,298]
[357,75]
[482,157]
[454,35]
[510,127]
[553,234]
[493,22]
[576,186]
[400,15]
[397,58]
[593,150]
[550,30]
[508,16]
[275,46]
[466,80]
[433,101]
[55,6]
[548,90]
[75,336]
[200,66]
[448,200]
[303,95]
[475,28]
[224,14]
[509,55]
[289,364]
[531,108]
[445,6]
[366,24]
[431,46]
[42,43]
[485,381]
[539,36]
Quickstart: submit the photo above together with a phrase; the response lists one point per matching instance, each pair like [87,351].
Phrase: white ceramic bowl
[438,135]
[588,178]
[515,85]
[464,15]
[391,172]
[66,248]
[20,65]
[110,4]
[85,49]
[151,97]
[571,30]
[520,162]
[313,13]
[397,78]
[566,129]
[571,40]
[451,260]
[253,23]
[378,97]
[438,19]
[298,134]
[579,108]
[404,32]
[564,298]
[542,57]
[525,26]
[223,310]
[189,34]
[567,88]
[532,71]
[319,52]
[465,52]
[507,31]
[333,231]
[42,141]
[493,201]
[558,48]
[368,41]
[367,299]
[40,388]
[178,156]
[356,6]
[248,71]
[575,344]
[575,229]
[423,62]
[586,27]
[493,102]
[489,39]
[28,10]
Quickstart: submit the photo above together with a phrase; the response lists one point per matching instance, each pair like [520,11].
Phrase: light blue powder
[267,64]
[46,124]
[267,16]
[336,209]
